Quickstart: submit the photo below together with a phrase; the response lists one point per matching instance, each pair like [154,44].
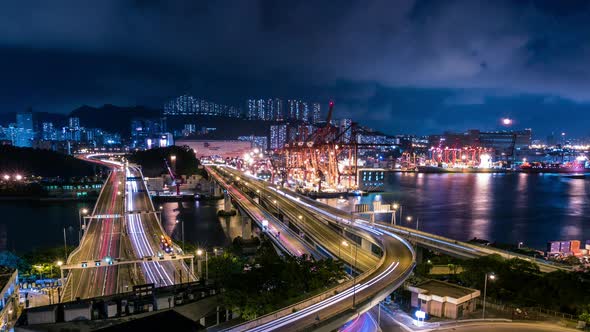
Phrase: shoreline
[46,199]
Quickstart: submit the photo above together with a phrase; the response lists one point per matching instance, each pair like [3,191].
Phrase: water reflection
[507,208]
[202,226]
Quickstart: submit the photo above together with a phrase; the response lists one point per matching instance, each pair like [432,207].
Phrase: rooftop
[5,275]
[441,288]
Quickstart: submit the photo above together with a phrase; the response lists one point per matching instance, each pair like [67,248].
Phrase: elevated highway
[101,241]
[376,274]
[428,240]
[284,238]
[123,227]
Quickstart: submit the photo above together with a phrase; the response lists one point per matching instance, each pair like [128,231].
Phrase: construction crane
[173,177]
[316,159]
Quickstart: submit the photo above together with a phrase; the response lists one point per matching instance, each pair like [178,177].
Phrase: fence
[532,313]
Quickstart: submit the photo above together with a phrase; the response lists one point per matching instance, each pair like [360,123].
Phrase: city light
[6,177]
[18,177]
[506,121]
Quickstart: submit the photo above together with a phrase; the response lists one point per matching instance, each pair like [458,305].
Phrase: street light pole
[181,232]
[356,251]
[65,244]
[394,206]
[81,212]
[485,288]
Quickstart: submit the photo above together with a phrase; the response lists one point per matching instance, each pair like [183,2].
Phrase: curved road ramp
[331,309]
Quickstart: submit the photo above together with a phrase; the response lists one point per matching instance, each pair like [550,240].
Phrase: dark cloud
[364,53]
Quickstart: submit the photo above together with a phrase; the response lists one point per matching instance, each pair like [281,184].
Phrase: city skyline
[517,59]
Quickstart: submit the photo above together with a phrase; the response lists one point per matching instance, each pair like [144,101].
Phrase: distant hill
[28,161]
[115,119]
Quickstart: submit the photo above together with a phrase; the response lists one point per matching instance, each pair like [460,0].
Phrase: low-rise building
[443,299]
[8,297]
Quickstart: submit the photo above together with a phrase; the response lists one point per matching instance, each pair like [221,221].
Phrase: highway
[145,231]
[278,232]
[117,231]
[102,239]
[451,246]
[334,307]
[310,222]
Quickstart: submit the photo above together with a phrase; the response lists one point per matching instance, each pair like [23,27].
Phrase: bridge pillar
[246,227]
[419,254]
[365,244]
[226,203]
[216,189]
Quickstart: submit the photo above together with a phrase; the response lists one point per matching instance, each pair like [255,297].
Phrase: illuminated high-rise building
[315,118]
[24,129]
[278,136]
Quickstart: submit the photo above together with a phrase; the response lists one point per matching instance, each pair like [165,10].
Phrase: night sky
[398,66]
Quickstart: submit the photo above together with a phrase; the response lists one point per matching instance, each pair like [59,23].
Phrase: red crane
[173,177]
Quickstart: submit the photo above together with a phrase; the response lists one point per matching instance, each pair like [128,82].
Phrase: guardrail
[305,303]
[254,218]
[477,250]
[365,305]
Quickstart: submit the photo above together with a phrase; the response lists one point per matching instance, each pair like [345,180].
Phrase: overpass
[427,240]
[122,228]
[376,272]
[463,249]
[281,236]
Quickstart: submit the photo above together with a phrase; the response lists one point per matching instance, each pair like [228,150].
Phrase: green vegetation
[268,282]
[152,161]
[520,283]
[37,263]
[46,163]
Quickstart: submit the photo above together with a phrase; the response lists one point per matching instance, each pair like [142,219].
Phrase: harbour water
[508,208]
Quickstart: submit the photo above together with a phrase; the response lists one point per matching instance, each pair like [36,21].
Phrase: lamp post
[278,207]
[395,206]
[409,219]
[200,253]
[61,279]
[182,231]
[258,192]
[343,243]
[492,277]
[356,251]
[81,212]
[65,244]
[173,162]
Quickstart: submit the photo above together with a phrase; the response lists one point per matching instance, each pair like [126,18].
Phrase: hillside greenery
[152,161]
[46,163]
